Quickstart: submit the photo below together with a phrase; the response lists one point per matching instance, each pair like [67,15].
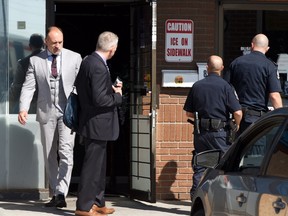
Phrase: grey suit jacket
[38,73]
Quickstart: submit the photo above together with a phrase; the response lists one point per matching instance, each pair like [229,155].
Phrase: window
[252,156]
[278,164]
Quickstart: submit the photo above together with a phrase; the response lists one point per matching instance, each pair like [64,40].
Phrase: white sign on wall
[179,40]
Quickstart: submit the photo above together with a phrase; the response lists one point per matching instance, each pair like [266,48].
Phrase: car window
[252,156]
[278,164]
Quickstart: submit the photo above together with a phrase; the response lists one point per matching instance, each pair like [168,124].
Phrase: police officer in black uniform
[211,100]
[255,80]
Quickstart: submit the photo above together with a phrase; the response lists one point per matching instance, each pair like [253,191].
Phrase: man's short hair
[36,40]
[106,41]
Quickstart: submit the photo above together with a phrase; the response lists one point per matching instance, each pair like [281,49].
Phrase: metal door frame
[143,139]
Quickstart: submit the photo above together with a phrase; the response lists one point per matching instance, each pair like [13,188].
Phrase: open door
[142,174]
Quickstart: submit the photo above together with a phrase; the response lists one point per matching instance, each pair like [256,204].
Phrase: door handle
[241,199]
[278,205]
[153,115]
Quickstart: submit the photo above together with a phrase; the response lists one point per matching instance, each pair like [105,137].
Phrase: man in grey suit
[53,71]
[98,123]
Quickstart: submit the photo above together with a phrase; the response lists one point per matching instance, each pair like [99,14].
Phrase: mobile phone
[117,81]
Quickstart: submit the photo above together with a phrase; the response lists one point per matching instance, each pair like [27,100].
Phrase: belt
[212,124]
[253,112]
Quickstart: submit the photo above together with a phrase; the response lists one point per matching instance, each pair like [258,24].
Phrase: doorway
[131,21]
[81,24]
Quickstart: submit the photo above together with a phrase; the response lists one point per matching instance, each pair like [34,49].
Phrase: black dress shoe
[57,201]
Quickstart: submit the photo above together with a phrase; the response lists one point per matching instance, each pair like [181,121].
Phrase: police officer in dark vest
[210,103]
[256,81]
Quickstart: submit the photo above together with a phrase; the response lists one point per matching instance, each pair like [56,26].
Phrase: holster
[232,125]
[232,131]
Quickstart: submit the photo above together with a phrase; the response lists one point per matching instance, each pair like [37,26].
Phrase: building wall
[174,143]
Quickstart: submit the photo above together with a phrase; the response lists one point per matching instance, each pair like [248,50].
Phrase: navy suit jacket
[98,118]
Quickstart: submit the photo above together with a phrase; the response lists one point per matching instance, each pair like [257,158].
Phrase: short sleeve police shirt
[212,97]
[254,77]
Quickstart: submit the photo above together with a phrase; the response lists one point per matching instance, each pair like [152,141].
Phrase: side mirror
[208,159]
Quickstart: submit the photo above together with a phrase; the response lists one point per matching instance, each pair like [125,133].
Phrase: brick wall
[173,150]
[174,142]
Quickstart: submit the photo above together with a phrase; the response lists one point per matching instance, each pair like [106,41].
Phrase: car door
[271,194]
[229,193]
[245,165]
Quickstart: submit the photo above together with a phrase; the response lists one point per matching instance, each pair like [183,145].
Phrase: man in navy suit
[98,123]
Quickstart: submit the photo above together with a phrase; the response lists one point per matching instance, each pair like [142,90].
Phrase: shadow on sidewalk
[32,208]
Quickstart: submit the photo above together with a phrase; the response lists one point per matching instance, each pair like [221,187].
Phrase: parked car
[251,178]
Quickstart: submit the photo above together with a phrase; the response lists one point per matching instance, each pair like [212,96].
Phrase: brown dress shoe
[103,210]
[90,213]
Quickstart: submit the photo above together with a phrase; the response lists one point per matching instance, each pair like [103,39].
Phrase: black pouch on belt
[205,124]
[216,124]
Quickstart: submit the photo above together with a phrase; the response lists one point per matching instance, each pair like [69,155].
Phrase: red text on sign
[174,41]
[184,41]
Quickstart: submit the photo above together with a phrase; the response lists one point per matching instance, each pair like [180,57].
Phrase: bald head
[215,64]
[260,43]
[54,40]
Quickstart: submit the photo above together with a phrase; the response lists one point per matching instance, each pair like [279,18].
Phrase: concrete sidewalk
[123,206]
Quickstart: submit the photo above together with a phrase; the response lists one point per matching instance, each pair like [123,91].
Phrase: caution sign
[179,40]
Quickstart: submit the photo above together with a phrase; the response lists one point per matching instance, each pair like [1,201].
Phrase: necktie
[107,68]
[54,66]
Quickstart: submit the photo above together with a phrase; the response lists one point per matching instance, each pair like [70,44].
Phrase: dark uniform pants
[203,142]
[246,121]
